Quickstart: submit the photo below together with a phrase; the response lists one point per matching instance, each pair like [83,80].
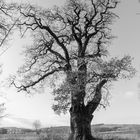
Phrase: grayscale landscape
[69,70]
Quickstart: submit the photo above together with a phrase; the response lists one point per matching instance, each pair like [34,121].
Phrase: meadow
[101,132]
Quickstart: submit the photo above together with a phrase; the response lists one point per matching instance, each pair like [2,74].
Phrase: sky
[23,109]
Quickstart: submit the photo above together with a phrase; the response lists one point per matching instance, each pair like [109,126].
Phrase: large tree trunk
[81,115]
[80,124]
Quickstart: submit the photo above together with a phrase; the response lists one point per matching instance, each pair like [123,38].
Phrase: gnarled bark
[93,104]
[80,123]
[81,115]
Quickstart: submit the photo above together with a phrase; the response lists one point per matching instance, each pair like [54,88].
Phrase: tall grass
[104,132]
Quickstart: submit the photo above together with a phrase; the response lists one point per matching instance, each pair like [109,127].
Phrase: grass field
[117,132]
[102,132]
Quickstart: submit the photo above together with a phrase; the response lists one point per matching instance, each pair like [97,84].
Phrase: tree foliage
[65,39]
[7,22]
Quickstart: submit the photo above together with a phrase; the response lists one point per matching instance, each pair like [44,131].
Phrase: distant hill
[104,131]
[14,130]
[95,128]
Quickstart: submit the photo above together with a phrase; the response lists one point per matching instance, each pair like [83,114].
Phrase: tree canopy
[65,39]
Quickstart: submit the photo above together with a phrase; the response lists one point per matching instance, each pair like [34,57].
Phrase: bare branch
[33,83]
[92,105]
[72,39]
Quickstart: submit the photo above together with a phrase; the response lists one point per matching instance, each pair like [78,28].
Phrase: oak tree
[70,44]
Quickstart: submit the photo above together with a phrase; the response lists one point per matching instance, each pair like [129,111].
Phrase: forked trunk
[81,115]
[80,124]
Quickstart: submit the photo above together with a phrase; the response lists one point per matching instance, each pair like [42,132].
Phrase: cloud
[16,122]
[130,94]
[23,121]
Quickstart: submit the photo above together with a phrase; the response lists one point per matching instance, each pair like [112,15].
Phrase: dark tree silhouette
[70,44]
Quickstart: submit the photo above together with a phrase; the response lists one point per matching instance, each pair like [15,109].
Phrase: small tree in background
[2,109]
[70,44]
[37,126]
